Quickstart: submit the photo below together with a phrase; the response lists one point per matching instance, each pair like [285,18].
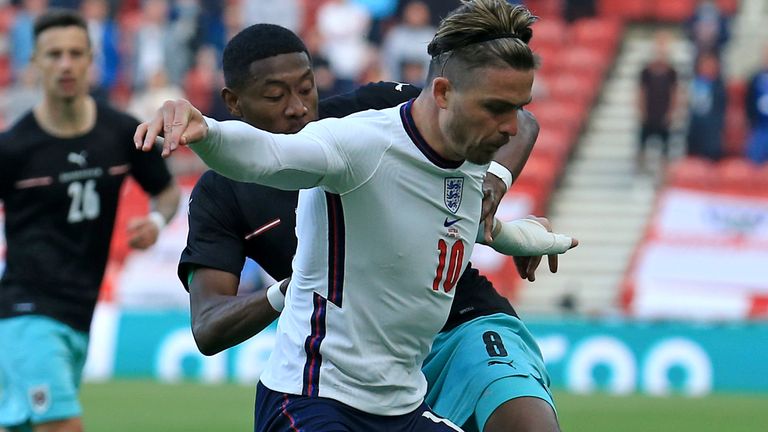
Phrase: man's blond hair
[482,33]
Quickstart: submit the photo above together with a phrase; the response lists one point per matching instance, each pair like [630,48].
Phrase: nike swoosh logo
[448,223]
[266,227]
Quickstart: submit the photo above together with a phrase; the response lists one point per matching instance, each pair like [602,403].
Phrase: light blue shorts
[481,364]
[41,362]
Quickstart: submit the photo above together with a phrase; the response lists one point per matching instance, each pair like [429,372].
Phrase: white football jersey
[382,242]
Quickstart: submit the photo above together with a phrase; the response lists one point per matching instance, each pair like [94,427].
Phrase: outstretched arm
[240,151]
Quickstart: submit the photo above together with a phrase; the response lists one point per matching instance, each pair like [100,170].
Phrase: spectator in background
[707,102]
[162,44]
[438,8]
[380,11]
[22,42]
[343,27]
[202,82]
[707,28]
[158,89]
[576,9]
[285,13]
[656,100]
[104,43]
[757,112]
[406,43]
[20,96]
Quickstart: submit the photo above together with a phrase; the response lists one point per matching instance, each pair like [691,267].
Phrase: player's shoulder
[17,135]
[111,117]
[388,89]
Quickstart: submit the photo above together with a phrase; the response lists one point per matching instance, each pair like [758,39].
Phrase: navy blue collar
[410,128]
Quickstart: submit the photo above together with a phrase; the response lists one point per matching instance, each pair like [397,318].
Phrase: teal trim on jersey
[467,361]
[40,368]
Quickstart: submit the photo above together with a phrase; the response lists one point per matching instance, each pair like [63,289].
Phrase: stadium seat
[632,10]
[7,15]
[691,172]
[736,175]
[601,33]
[575,87]
[548,9]
[583,60]
[6,74]
[554,143]
[551,32]
[673,11]
[728,7]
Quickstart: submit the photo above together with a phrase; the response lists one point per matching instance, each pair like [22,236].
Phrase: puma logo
[399,86]
[499,362]
[78,158]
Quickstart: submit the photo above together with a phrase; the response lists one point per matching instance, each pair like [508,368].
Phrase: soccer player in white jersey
[386,229]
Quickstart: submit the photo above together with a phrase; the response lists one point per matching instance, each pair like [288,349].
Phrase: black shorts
[281,412]
[649,130]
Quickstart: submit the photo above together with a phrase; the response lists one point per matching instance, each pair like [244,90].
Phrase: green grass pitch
[118,406]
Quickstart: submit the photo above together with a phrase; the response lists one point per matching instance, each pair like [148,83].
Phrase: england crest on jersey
[454,186]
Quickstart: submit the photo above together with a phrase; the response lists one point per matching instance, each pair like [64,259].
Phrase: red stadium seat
[551,32]
[728,7]
[736,128]
[7,15]
[6,74]
[601,33]
[578,88]
[583,60]
[736,175]
[691,172]
[632,10]
[673,11]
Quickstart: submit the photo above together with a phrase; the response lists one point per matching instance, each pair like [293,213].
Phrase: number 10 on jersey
[455,258]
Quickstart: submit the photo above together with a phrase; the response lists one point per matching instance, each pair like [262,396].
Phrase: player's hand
[142,233]
[527,265]
[493,191]
[177,121]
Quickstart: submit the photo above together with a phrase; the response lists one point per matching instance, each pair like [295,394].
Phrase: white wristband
[158,219]
[275,297]
[501,172]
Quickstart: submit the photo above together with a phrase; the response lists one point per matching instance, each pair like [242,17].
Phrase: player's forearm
[167,201]
[220,318]
[230,321]
[244,153]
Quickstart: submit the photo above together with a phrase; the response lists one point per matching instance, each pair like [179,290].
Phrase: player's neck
[66,118]
[424,112]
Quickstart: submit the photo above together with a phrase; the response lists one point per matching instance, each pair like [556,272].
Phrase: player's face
[63,56]
[481,116]
[281,97]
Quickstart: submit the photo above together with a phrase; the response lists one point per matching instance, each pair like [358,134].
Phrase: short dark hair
[257,42]
[58,18]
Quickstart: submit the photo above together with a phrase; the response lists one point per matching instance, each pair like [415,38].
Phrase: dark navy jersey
[230,220]
[60,197]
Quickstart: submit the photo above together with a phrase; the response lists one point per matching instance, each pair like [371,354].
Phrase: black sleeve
[378,95]
[213,239]
[148,168]
[6,165]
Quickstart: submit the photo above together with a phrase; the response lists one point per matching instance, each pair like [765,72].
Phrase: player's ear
[231,101]
[441,91]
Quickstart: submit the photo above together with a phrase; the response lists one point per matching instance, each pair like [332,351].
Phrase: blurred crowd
[147,51]
[709,106]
